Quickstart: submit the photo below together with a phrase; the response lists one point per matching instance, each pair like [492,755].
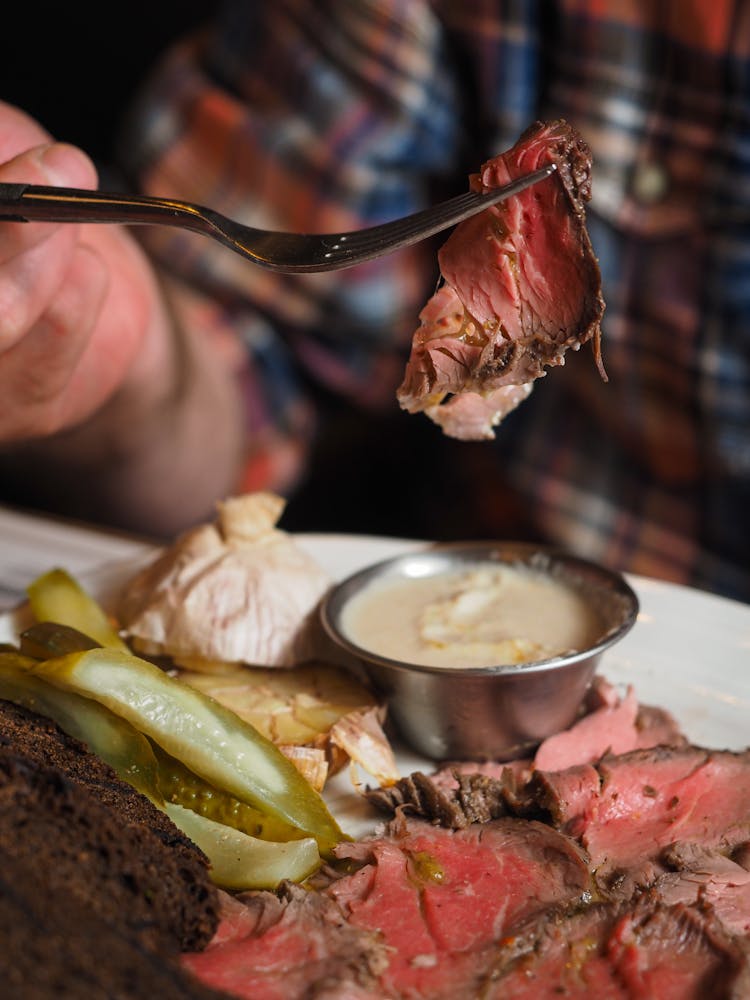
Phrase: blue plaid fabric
[333,115]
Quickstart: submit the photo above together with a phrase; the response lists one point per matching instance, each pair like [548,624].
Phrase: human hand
[80,312]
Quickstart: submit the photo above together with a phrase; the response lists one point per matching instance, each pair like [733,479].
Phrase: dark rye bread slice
[55,947]
[95,838]
[39,739]
[121,871]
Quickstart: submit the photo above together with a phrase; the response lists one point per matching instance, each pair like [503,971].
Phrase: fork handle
[37,203]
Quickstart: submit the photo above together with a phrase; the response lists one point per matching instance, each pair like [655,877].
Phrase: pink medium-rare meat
[289,946]
[439,899]
[628,808]
[610,724]
[652,900]
[646,951]
[706,878]
[418,913]
[610,728]
[616,726]
[522,285]
[464,792]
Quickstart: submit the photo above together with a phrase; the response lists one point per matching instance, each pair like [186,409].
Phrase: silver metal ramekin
[486,713]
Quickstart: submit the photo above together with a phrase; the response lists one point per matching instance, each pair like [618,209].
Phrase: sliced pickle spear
[44,640]
[182,787]
[209,739]
[57,597]
[242,862]
[107,735]
[139,762]
[151,771]
[237,859]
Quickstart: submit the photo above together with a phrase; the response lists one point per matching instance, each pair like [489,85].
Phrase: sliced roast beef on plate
[292,944]
[630,807]
[464,792]
[650,951]
[423,907]
[503,909]
[698,875]
[521,287]
[665,829]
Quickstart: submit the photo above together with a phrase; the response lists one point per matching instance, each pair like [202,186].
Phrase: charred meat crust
[476,799]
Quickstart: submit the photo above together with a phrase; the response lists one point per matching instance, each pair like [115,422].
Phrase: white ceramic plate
[689,652]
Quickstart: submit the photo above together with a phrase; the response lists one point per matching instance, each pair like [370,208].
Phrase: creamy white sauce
[483,616]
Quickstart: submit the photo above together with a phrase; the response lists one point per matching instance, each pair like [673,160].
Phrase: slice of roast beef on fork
[521,287]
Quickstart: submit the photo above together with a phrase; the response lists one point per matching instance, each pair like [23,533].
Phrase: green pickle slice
[57,597]
[225,829]
[180,786]
[242,862]
[108,736]
[43,640]
[210,740]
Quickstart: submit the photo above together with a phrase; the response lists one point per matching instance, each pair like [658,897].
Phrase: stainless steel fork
[277,251]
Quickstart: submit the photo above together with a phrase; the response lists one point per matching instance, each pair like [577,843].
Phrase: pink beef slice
[707,878]
[464,792]
[607,952]
[608,723]
[628,808]
[289,946]
[521,287]
[420,914]
[609,728]
[441,900]
[615,728]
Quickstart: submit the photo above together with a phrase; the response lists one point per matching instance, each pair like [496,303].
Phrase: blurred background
[390,473]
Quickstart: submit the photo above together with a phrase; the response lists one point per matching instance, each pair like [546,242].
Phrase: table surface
[31,545]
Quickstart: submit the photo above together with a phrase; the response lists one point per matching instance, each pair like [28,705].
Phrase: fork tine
[334,251]
[346,249]
[433,220]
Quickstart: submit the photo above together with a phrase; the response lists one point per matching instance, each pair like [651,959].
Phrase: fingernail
[65,165]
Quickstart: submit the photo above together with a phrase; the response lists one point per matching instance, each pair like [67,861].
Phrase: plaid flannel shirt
[335,115]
